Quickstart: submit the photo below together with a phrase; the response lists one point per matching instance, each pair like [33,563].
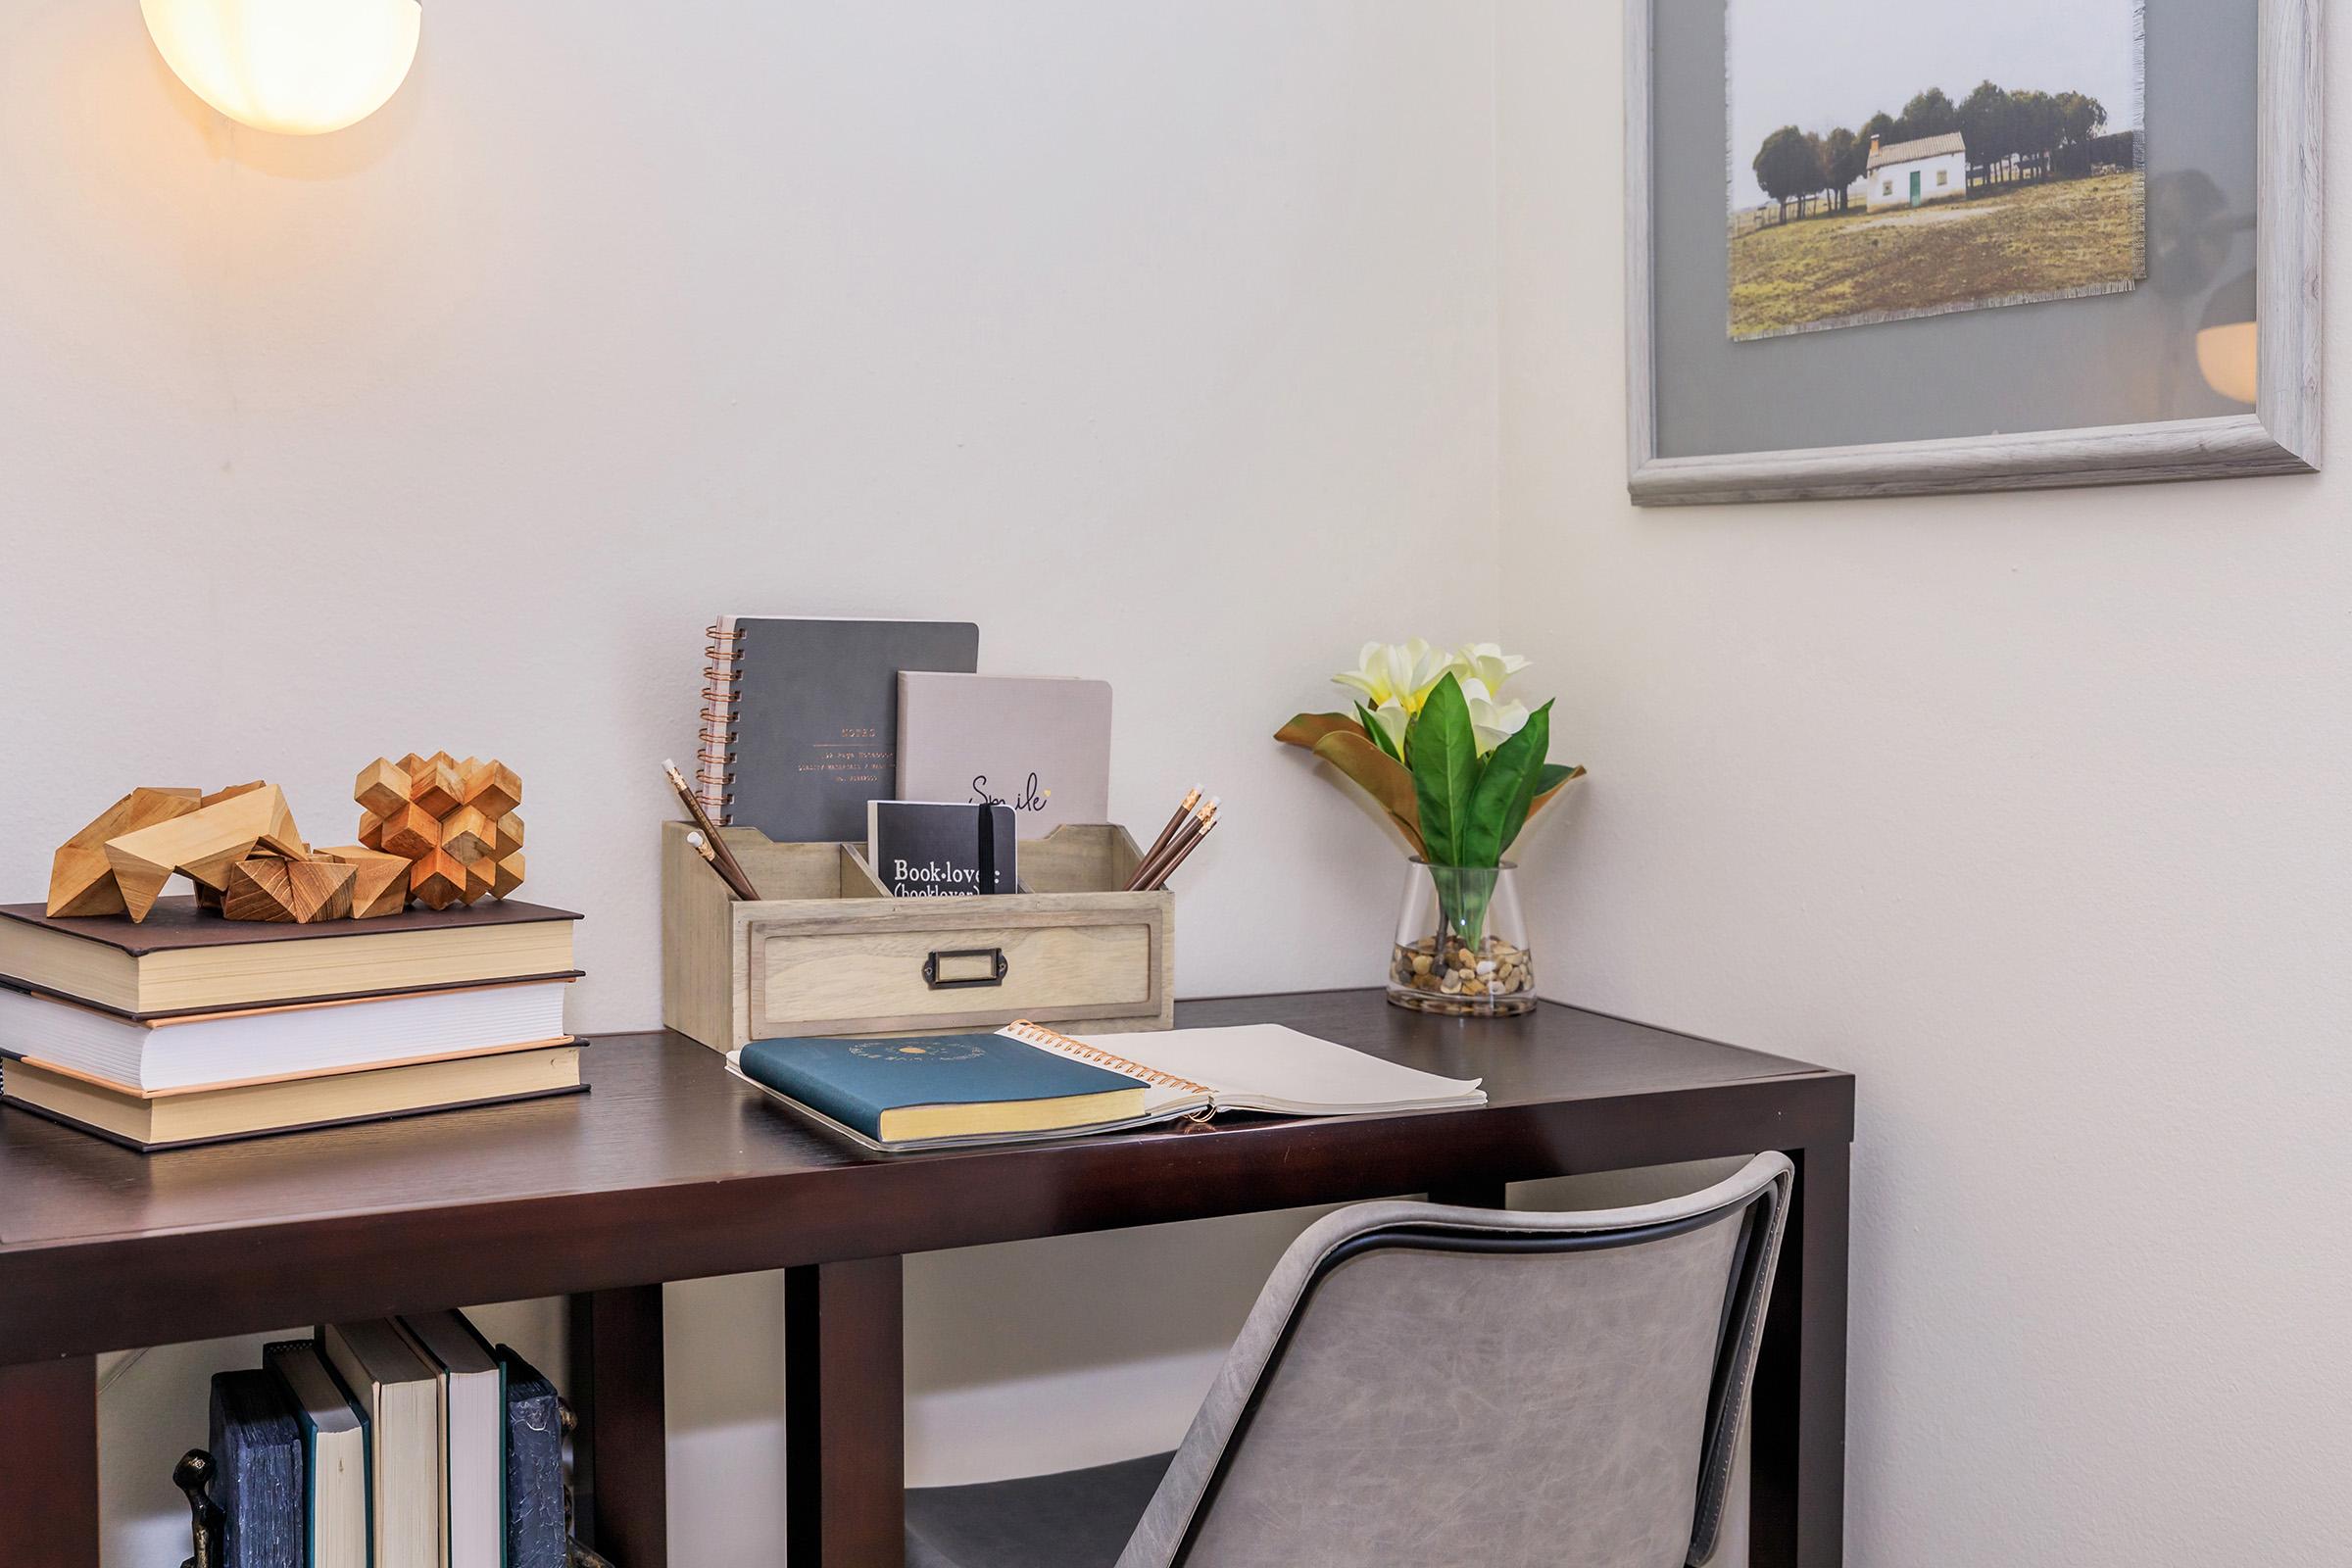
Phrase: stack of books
[189,1029]
[400,1443]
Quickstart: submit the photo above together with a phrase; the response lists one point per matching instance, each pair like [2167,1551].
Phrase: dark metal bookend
[581,1556]
[207,1526]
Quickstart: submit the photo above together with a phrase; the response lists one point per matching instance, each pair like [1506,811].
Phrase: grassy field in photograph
[2043,239]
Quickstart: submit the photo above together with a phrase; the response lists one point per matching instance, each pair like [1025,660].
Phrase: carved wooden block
[507,876]
[270,888]
[81,881]
[379,881]
[437,789]
[466,834]
[493,790]
[204,844]
[411,832]
[437,881]
[455,820]
[381,788]
[233,790]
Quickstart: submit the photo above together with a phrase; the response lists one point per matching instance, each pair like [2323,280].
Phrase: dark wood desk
[670,1170]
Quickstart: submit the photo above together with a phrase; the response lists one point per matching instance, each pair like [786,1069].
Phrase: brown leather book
[181,961]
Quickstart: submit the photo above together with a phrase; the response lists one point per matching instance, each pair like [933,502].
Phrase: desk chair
[1420,1385]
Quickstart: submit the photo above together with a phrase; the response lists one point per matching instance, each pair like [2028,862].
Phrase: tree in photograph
[2039,127]
[1844,159]
[1881,127]
[1930,114]
[1988,122]
[1786,169]
[2081,117]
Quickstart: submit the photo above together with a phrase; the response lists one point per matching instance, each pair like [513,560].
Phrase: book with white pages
[334,1444]
[400,1394]
[1178,1073]
[473,1423]
[187,1051]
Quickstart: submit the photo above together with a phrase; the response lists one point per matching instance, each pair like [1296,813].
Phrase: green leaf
[1377,775]
[1378,732]
[1553,779]
[1308,728]
[1505,789]
[1444,750]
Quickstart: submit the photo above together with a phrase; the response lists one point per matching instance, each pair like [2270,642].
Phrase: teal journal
[942,1086]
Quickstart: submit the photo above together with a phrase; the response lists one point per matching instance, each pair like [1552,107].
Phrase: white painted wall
[2031,811]
[1159,338]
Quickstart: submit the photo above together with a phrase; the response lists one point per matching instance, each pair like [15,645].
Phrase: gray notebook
[802,723]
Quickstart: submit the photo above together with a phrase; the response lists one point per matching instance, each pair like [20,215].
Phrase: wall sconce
[297,66]
[2225,343]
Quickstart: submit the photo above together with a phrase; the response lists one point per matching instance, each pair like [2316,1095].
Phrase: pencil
[1183,811]
[1147,873]
[701,847]
[1178,858]
[714,848]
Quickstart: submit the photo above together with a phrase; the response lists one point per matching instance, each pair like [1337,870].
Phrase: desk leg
[620,1469]
[49,1463]
[1797,1498]
[845,1415]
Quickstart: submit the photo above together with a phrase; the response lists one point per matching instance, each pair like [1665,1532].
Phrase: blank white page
[1266,1067]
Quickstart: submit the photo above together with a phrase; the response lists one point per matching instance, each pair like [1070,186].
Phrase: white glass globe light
[297,66]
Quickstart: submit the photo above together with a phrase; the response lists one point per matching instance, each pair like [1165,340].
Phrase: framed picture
[1971,245]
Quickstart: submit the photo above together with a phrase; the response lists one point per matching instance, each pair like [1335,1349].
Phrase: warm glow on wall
[300,66]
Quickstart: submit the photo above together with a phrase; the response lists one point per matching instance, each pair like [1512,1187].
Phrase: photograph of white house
[1913,173]
[1890,161]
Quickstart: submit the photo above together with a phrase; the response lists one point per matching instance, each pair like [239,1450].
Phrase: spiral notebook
[1026,1082]
[801,718]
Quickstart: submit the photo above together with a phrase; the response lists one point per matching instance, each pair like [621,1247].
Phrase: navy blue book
[535,1537]
[256,1449]
[950,1089]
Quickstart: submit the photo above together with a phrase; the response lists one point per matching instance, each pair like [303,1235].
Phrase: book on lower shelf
[394,1443]
[1026,1082]
[192,1029]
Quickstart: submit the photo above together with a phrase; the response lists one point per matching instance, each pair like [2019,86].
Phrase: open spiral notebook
[1026,1082]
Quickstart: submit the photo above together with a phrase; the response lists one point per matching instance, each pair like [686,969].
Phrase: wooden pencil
[1184,809]
[1176,859]
[1147,873]
[715,851]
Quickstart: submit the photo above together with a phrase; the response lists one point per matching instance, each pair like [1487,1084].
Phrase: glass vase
[1461,943]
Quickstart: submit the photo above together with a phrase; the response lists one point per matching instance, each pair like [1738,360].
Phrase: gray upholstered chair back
[1421,1384]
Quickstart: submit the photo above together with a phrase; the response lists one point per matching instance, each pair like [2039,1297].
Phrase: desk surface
[670,1170]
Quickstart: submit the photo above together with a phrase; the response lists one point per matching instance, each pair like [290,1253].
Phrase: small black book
[258,1483]
[535,1535]
[940,850]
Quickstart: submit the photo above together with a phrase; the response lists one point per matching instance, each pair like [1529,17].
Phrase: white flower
[1495,722]
[1396,672]
[1485,663]
[1391,717]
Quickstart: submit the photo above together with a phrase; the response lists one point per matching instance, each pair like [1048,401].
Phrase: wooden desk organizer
[827,952]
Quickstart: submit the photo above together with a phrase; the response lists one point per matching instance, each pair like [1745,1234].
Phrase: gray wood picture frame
[2283,435]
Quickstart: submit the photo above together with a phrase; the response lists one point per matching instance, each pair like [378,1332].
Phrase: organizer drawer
[929,964]
[825,950]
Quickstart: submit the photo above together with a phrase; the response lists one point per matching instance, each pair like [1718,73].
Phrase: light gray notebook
[1037,744]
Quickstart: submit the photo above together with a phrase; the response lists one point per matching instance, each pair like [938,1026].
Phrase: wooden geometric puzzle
[269,887]
[379,881]
[453,822]
[81,881]
[203,844]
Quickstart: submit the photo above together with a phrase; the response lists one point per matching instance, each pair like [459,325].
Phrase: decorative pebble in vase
[1461,943]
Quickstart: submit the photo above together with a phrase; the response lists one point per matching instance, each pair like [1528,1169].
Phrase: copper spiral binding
[714,760]
[1037,1034]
